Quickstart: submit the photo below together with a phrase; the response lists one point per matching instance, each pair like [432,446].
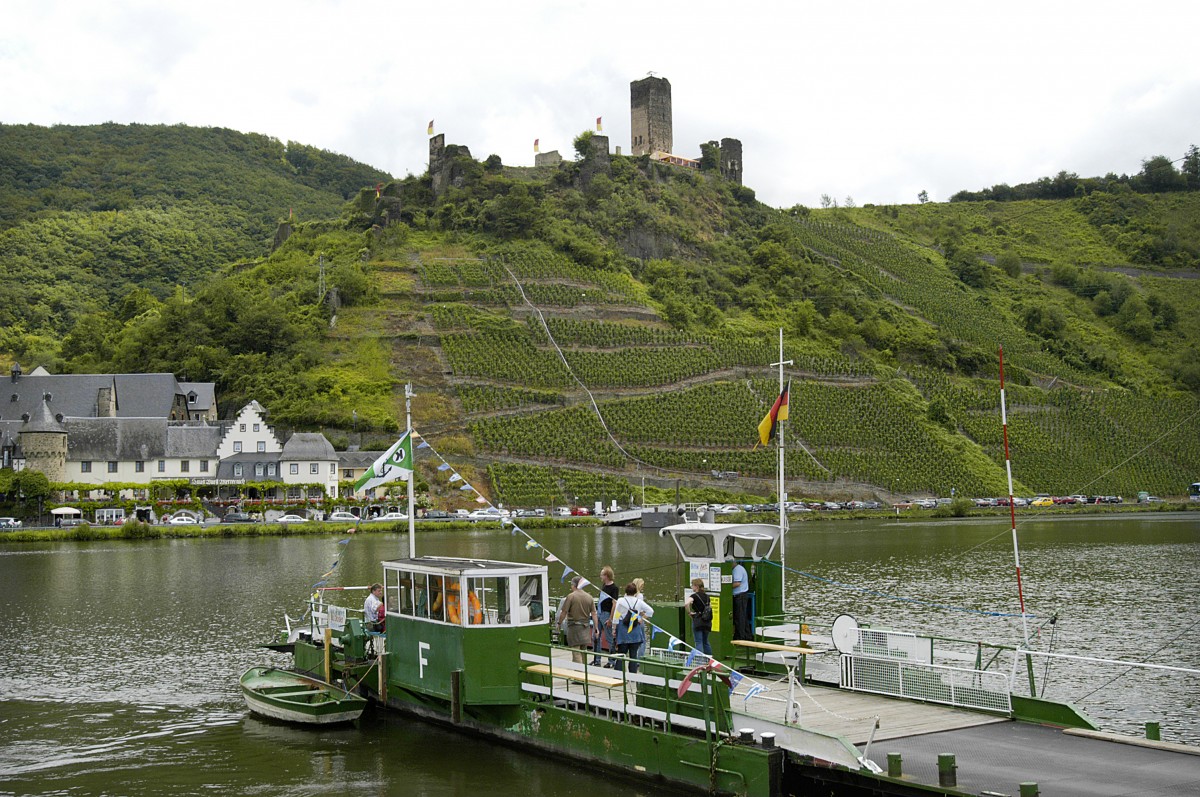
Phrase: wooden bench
[753,643]
[602,681]
[773,647]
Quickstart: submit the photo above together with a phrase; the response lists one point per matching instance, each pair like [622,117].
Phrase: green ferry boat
[469,644]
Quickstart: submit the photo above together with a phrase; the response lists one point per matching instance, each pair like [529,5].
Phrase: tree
[583,145]
[1158,175]
[826,200]
[923,196]
[1010,263]
[850,202]
[1191,168]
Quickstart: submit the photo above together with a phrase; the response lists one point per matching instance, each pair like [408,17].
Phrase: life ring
[474,611]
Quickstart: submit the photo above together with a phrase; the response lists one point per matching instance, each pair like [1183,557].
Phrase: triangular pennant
[531,543]
[584,583]
[444,466]
[551,557]
[567,570]
[455,478]
[423,444]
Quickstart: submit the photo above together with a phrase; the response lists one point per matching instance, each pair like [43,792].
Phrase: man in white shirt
[373,608]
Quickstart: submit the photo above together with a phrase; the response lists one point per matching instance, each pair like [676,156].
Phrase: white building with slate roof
[141,428]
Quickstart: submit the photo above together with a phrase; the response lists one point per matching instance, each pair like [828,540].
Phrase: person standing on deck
[577,615]
[631,631]
[640,583]
[609,592]
[698,607]
[373,608]
[741,602]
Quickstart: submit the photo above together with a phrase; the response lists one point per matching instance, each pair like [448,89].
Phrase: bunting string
[694,656]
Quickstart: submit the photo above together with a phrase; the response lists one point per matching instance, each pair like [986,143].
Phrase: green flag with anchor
[396,463]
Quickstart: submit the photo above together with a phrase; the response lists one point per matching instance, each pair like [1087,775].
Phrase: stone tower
[731,160]
[44,441]
[650,115]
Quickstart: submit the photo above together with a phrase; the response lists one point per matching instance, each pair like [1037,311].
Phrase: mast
[412,476]
[1012,505]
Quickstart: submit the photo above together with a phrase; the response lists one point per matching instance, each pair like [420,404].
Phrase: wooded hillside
[517,298]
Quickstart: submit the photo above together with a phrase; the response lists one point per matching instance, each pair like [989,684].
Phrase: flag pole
[412,475]
[781,491]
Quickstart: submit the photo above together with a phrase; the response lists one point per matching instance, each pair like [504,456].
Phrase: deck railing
[648,697]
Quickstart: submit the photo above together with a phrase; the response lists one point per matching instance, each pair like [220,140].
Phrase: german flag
[779,412]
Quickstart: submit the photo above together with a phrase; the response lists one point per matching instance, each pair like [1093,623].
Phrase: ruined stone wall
[731,160]
[551,158]
[650,116]
[437,164]
[597,161]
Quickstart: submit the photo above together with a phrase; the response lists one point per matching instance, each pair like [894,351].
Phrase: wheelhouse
[466,592]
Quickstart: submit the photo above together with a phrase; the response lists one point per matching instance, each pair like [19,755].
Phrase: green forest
[578,328]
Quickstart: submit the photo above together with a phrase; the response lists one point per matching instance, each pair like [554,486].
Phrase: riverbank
[147,531]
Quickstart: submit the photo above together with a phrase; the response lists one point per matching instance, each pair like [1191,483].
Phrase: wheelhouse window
[532,603]
[695,546]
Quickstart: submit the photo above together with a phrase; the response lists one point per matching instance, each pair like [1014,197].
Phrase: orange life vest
[474,612]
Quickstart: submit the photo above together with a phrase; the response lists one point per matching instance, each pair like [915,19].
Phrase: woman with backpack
[627,619]
[699,607]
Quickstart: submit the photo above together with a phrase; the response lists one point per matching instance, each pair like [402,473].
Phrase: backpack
[705,615]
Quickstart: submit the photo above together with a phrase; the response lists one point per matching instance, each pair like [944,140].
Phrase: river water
[121,659]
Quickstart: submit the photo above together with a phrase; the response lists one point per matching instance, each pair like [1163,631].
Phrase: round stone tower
[44,441]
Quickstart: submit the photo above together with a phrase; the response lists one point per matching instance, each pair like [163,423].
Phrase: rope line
[881,594]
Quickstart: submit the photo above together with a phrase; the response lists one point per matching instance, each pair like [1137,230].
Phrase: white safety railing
[901,664]
[932,683]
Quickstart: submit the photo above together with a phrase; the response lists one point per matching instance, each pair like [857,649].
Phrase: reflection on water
[122,663]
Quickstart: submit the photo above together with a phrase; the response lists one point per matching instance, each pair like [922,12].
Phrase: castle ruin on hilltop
[651,134]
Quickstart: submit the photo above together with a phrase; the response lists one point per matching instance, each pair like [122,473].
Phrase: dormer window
[191,398]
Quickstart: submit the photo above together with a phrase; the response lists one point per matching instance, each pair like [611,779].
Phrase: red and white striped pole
[1012,504]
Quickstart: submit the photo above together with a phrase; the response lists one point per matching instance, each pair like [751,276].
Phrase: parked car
[1065,499]
[437,514]
[462,514]
[342,517]
[291,519]
[9,523]
[925,503]
[491,513]
[182,520]
[579,511]
[237,517]
[562,511]
[1043,501]
[391,516]
[527,512]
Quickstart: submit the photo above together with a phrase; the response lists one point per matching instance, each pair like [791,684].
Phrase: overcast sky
[874,100]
